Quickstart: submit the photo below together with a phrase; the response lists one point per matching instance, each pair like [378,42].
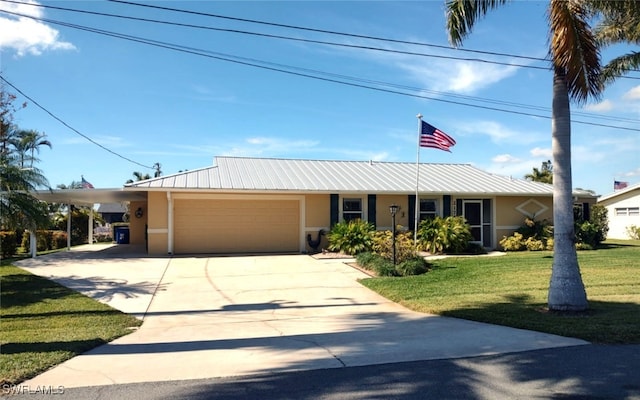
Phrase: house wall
[511,212]
[137,225]
[383,216]
[158,228]
[317,217]
[618,223]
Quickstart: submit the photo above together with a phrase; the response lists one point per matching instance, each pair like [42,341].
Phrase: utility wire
[271,36]
[253,63]
[70,127]
[332,32]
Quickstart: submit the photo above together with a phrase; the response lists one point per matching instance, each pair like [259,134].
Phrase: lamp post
[393,209]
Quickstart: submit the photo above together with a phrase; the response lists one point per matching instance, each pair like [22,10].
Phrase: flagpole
[417,202]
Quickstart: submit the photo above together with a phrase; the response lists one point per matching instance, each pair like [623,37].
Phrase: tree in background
[18,207]
[27,143]
[576,76]
[140,176]
[544,174]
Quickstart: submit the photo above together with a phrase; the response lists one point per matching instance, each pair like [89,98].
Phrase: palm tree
[18,207]
[139,177]
[576,75]
[30,142]
[544,174]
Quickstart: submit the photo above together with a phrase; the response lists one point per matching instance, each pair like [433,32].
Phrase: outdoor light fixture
[393,209]
[139,212]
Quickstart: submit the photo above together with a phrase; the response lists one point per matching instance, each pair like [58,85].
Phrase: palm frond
[574,49]
[462,15]
[620,66]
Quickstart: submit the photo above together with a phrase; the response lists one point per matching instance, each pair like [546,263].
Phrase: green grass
[43,323]
[511,290]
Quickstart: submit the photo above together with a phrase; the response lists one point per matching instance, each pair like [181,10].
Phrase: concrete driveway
[210,317]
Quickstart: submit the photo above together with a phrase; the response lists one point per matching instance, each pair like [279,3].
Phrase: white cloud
[26,35]
[632,94]
[540,152]
[606,105]
[499,133]
[635,172]
[458,76]
[505,159]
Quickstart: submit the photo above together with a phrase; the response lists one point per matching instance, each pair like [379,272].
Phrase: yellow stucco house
[256,205]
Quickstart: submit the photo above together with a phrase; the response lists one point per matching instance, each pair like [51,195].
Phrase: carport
[87,198]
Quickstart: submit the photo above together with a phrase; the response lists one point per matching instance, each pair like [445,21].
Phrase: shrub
[412,266]
[600,220]
[583,246]
[633,232]
[351,237]
[44,240]
[384,267]
[535,229]
[550,244]
[59,240]
[534,244]
[440,235]
[383,245]
[8,243]
[588,233]
[516,242]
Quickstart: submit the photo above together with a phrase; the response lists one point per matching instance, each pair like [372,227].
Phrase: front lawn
[43,323]
[511,290]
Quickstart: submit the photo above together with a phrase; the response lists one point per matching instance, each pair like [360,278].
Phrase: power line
[253,63]
[333,32]
[70,127]
[272,36]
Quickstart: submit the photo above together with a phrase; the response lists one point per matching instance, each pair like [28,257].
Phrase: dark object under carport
[122,234]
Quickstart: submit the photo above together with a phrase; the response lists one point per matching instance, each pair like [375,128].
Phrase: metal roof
[297,175]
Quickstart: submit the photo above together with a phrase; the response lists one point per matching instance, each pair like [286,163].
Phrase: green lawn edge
[511,290]
[43,324]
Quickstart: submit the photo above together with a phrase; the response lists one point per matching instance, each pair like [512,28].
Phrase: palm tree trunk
[566,290]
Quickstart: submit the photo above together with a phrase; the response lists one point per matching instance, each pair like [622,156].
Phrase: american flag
[617,185]
[86,184]
[430,136]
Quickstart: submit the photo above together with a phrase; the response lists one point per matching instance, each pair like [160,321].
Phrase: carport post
[90,231]
[69,227]
[33,243]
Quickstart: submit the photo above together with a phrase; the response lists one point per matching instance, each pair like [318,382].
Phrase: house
[623,210]
[112,212]
[254,205]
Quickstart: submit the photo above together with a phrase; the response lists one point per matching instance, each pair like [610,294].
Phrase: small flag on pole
[432,137]
[86,184]
[617,185]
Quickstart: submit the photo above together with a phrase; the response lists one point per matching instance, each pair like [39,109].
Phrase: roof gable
[271,174]
[612,197]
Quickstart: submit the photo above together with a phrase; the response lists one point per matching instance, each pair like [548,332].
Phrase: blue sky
[154,105]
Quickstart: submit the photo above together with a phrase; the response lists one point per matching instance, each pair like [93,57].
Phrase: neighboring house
[623,210]
[112,212]
[247,205]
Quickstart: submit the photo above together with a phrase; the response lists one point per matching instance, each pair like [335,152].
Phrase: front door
[472,211]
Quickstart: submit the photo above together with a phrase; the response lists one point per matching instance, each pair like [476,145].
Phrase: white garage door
[236,226]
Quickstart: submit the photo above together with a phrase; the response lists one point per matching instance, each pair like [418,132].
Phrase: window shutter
[334,209]
[371,209]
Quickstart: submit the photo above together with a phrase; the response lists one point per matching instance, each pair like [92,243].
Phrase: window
[428,209]
[630,211]
[351,209]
